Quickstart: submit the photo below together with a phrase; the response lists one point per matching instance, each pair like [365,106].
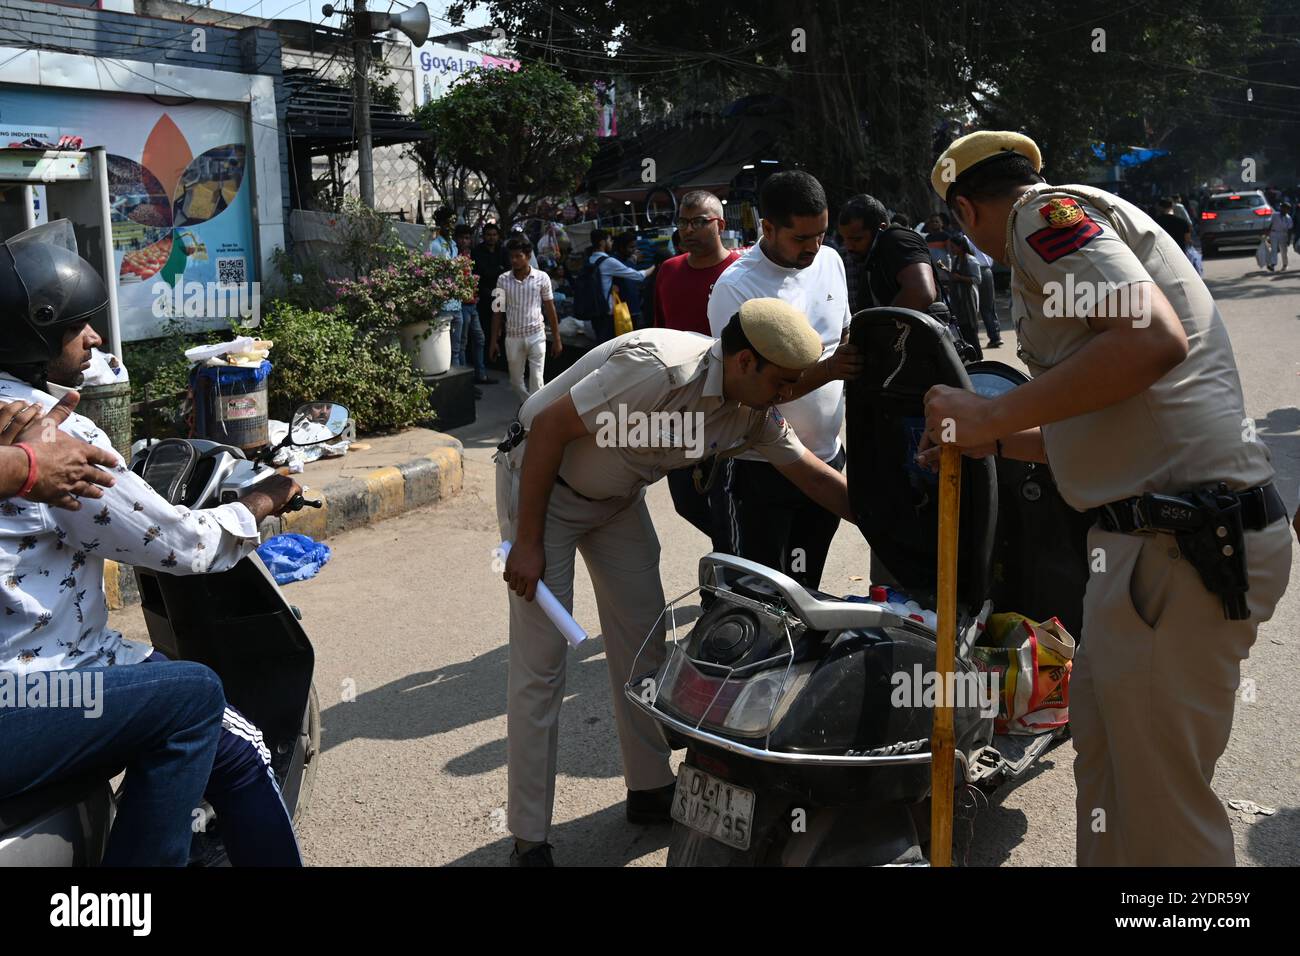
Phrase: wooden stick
[942,756]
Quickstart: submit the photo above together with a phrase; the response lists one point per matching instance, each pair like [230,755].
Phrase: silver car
[1229,219]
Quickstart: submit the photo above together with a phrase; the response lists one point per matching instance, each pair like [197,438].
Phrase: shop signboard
[180,199]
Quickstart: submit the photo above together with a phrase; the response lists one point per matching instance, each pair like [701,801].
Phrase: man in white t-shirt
[768,519]
[522,296]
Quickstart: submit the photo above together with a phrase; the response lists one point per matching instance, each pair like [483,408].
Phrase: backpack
[590,304]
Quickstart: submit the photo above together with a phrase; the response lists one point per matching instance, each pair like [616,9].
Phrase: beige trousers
[621,551]
[1152,696]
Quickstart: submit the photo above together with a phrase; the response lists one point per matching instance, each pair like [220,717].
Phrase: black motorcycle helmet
[46,288]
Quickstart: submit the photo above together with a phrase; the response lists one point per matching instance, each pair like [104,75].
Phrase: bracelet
[32,471]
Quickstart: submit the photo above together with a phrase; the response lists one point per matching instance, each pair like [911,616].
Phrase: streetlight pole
[361,100]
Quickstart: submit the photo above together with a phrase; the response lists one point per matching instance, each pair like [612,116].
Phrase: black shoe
[537,856]
[485,380]
[650,807]
[994,344]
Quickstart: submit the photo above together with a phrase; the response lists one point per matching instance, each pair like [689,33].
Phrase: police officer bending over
[571,477]
[1137,405]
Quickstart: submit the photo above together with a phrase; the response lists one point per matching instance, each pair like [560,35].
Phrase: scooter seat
[28,806]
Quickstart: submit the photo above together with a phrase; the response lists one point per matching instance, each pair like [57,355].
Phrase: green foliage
[412,287]
[880,86]
[528,134]
[160,371]
[365,238]
[321,356]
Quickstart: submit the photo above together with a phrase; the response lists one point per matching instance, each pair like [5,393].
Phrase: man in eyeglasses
[681,300]
[684,282]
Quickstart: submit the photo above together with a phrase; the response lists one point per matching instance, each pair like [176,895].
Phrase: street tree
[527,134]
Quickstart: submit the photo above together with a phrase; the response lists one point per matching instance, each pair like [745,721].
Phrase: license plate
[714,807]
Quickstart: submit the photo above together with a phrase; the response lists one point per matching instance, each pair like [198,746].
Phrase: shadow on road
[604,838]
[1280,431]
[985,831]
[445,700]
[1275,840]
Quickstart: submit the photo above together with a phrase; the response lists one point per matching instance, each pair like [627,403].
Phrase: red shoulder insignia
[1061,213]
[1052,243]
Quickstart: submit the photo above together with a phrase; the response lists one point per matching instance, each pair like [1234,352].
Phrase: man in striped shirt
[521,297]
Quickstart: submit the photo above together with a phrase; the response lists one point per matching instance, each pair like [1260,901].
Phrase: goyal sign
[437,67]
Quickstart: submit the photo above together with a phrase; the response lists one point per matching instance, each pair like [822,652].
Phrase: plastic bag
[293,557]
[1261,253]
[105,369]
[1033,663]
[622,315]
[1198,263]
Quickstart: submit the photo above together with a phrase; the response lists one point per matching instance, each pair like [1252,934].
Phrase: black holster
[1217,548]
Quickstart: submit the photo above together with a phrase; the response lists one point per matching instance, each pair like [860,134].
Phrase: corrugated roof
[321,113]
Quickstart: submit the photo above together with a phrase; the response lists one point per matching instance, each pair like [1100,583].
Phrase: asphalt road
[409,621]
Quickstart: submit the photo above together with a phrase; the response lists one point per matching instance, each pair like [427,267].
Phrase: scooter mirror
[316,422]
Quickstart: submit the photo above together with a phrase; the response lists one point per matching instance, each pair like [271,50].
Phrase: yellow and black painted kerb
[347,503]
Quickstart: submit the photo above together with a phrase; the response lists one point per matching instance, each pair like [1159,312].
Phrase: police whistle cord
[1209,525]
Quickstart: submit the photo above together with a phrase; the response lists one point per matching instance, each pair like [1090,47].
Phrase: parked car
[1239,219]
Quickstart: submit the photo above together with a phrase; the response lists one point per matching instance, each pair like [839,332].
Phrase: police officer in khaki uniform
[1136,404]
[570,479]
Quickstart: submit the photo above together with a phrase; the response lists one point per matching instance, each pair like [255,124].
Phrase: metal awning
[320,116]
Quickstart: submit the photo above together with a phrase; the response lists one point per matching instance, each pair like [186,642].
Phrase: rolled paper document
[550,604]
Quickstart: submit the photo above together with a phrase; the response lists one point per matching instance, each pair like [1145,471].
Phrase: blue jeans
[255,826]
[457,347]
[161,721]
[472,340]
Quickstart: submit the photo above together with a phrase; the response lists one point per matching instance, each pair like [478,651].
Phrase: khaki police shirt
[1187,430]
[634,393]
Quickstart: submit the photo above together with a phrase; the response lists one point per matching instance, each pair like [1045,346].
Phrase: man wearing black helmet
[56,617]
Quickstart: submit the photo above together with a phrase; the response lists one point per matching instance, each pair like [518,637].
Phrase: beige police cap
[780,333]
[975,149]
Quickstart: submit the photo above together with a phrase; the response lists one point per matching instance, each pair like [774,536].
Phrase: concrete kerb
[347,503]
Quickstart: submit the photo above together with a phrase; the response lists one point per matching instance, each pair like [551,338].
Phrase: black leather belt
[1260,507]
[559,480]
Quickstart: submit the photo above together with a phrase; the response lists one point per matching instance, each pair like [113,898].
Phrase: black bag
[590,304]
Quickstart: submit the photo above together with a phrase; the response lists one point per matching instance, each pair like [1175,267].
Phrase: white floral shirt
[53,614]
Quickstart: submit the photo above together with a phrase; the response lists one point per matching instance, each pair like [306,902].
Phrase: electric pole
[361,98]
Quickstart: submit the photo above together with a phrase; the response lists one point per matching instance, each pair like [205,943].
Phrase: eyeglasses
[699,222]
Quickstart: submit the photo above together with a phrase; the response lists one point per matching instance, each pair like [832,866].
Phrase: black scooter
[236,621]
[797,751]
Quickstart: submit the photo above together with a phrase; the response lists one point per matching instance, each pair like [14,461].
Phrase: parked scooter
[797,750]
[237,622]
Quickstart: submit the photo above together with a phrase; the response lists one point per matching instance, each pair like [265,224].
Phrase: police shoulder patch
[1053,243]
[1062,213]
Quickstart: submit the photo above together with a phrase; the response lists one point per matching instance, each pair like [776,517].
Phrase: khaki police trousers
[1152,695]
[621,550]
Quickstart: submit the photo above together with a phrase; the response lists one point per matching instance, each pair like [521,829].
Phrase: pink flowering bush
[412,286]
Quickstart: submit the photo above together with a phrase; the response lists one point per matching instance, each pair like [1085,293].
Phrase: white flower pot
[431,351]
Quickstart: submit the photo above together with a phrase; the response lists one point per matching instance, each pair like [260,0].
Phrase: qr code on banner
[231,271]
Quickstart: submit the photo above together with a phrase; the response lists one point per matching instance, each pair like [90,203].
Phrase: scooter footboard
[238,623]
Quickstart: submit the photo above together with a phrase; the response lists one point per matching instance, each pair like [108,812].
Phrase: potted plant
[405,297]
